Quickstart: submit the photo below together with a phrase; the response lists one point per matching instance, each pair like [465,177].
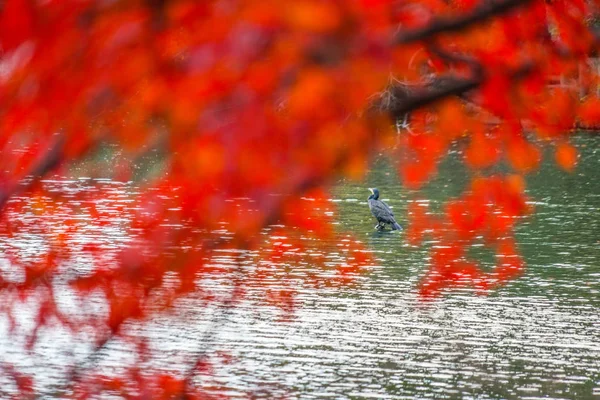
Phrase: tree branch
[455,58]
[441,25]
[439,89]
[443,87]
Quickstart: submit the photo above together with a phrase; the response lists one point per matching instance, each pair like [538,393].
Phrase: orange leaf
[589,111]
[523,156]
[482,151]
[316,16]
[311,95]
[566,156]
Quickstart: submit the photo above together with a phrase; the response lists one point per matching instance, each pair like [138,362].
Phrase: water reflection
[537,337]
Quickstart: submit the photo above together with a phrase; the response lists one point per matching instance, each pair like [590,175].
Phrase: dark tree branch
[455,58]
[443,87]
[440,25]
[438,89]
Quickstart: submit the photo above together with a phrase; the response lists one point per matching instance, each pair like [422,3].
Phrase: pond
[537,337]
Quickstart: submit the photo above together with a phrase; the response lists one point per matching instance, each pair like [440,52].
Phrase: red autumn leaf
[523,156]
[17,24]
[170,387]
[416,174]
[589,111]
[509,264]
[483,151]
[496,98]
[566,156]
[314,16]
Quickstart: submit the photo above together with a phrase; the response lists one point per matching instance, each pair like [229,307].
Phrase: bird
[381,211]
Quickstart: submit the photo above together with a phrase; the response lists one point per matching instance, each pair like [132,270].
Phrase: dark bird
[382,212]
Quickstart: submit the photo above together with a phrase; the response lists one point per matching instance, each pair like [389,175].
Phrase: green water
[537,337]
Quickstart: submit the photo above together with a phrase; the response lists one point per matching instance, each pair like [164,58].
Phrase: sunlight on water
[537,337]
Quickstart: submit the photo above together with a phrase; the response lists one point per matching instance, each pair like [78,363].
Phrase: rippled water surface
[538,337]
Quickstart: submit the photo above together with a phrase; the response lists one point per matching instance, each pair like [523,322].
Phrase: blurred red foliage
[257,106]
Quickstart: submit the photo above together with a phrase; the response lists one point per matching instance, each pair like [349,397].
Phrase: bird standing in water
[382,212]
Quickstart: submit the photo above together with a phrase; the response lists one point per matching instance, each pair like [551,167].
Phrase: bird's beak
[372,192]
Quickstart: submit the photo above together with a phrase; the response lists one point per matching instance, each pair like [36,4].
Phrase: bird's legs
[379,226]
